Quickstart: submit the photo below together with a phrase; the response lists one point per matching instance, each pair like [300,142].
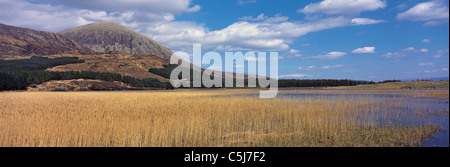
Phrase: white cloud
[400,53]
[243,35]
[426,40]
[433,12]
[440,53]
[445,69]
[244,2]
[275,19]
[295,76]
[424,50]
[294,51]
[432,71]
[146,6]
[343,7]
[437,56]
[329,67]
[311,68]
[393,55]
[365,21]
[426,64]
[250,18]
[45,15]
[410,49]
[156,19]
[326,67]
[330,56]
[364,50]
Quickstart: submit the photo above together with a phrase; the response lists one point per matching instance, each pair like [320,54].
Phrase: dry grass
[201,119]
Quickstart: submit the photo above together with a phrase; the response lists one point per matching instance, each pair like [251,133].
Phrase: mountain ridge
[110,36]
[18,41]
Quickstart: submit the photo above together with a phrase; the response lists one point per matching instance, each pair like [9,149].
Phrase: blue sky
[340,39]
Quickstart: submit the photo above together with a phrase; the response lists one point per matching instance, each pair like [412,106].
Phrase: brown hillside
[115,62]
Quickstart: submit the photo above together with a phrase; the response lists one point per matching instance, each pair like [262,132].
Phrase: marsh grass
[205,119]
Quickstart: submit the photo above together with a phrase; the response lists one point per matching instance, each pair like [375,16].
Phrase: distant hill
[109,36]
[17,41]
[401,85]
[430,79]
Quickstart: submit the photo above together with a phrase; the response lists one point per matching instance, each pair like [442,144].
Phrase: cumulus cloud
[325,67]
[295,76]
[433,12]
[365,21]
[243,35]
[364,50]
[432,71]
[330,56]
[310,68]
[251,18]
[410,49]
[145,6]
[328,67]
[426,64]
[402,53]
[53,16]
[292,53]
[424,50]
[244,2]
[156,19]
[441,53]
[393,55]
[426,40]
[343,7]
[276,19]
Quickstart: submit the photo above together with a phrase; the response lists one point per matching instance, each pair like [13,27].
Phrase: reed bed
[206,119]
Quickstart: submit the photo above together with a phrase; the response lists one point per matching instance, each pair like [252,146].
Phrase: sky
[332,39]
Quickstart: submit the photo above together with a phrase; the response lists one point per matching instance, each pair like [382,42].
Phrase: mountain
[22,43]
[101,47]
[109,36]
[17,41]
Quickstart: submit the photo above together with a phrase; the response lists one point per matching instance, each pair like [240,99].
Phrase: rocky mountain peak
[109,36]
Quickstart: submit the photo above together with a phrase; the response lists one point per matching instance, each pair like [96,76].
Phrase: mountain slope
[108,36]
[115,62]
[17,41]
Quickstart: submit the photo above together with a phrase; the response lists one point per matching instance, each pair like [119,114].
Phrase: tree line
[320,82]
[282,83]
